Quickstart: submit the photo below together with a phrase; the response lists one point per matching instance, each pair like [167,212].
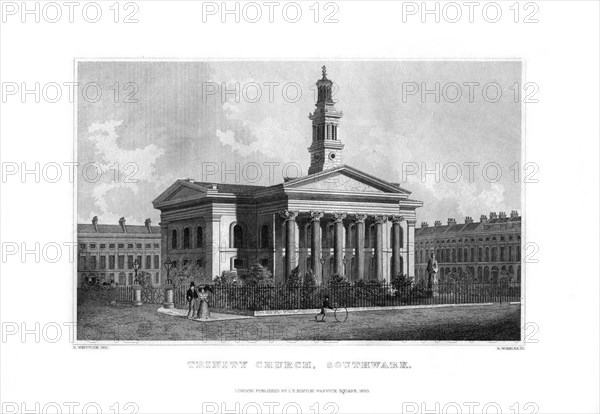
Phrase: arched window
[518,252]
[264,237]
[453,255]
[487,254]
[472,254]
[174,239]
[459,255]
[465,255]
[486,274]
[236,236]
[494,254]
[199,240]
[351,236]
[186,238]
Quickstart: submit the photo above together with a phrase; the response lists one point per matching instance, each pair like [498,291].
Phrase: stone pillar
[338,245]
[315,247]
[359,244]
[379,220]
[137,295]
[290,241]
[410,247]
[168,303]
[396,253]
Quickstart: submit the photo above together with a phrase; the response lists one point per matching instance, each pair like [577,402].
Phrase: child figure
[325,305]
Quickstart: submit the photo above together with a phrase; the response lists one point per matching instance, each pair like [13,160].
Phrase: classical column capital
[338,217]
[315,215]
[397,219]
[288,215]
[411,222]
[379,219]
[359,218]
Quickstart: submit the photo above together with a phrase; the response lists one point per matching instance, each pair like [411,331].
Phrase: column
[410,247]
[290,241]
[359,244]
[338,246]
[315,247]
[396,254]
[379,220]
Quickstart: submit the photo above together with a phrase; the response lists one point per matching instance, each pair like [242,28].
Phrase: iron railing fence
[285,297]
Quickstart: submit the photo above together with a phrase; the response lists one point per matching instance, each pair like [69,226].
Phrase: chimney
[502,215]
[493,215]
[483,218]
[437,223]
[148,224]
[468,220]
[122,224]
[424,224]
[514,214]
[95,223]
[451,221]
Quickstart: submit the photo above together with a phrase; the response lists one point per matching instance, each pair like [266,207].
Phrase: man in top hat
[192,300]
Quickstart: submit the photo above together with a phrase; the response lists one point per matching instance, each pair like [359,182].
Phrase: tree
[188,273]
[257,275]
[338,280]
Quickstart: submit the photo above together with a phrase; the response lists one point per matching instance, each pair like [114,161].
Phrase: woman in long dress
[203,312]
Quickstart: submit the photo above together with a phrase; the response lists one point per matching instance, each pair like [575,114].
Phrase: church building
[336,220]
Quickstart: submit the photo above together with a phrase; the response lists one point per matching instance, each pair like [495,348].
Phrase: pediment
[183,192]
[344,179]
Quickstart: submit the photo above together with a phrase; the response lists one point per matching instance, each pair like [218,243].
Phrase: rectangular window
[130,245]
[111,246]
[138,246]
[148,262]
[102,262]
[199,263]
[186,262]
[156,279]
[156,262]
[103,246]
[238,264]
[92,245]
[121,262]
[139,260]
[82,245]
[264,262]
[156,245]
[112,277]
[130,262]
[93,262]
[111,261]
[121,246]
[131,278]
[148,245]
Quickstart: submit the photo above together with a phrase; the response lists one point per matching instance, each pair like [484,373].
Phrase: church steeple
[326,149]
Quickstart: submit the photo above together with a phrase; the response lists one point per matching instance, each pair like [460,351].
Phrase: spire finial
[324,72]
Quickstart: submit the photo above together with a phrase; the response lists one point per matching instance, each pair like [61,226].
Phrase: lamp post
[168,303]
[137,289]
[136,266]
[168,264]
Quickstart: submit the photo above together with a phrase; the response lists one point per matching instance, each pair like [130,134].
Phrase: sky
[448,131]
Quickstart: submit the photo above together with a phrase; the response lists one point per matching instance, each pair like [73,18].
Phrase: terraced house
[489,250]
[335,220]
[108,252]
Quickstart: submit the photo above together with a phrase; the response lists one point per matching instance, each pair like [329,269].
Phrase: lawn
[499,322]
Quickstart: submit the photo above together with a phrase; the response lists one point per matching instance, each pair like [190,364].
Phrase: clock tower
[326,149]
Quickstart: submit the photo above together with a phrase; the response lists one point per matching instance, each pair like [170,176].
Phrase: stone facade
[335,220]
[490,250]
[107,252]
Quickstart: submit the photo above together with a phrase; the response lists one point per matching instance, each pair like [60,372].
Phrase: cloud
[121,171]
